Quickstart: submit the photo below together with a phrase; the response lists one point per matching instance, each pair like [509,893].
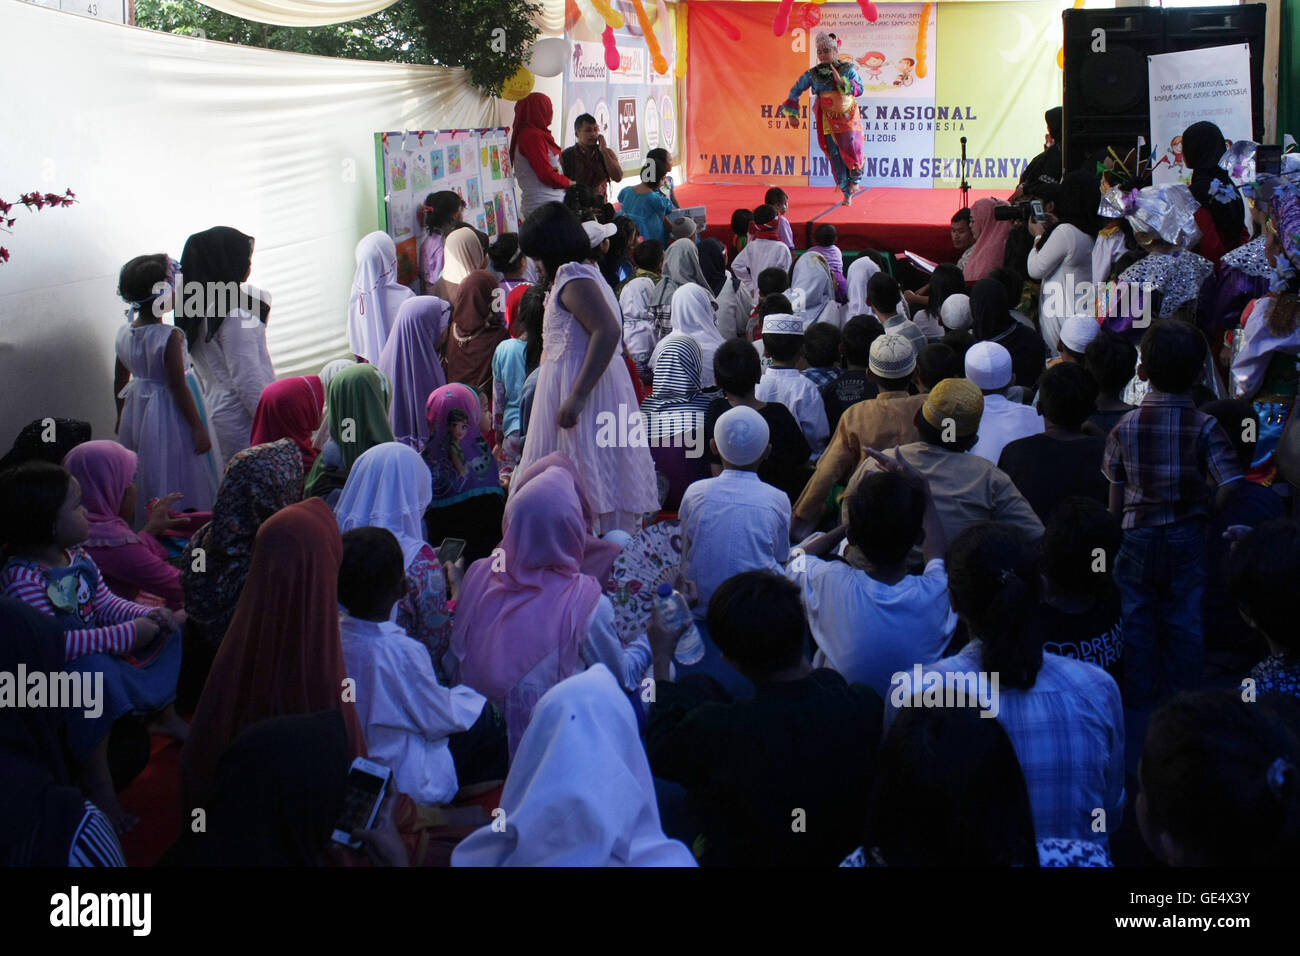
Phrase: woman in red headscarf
[535,154]
[291,408]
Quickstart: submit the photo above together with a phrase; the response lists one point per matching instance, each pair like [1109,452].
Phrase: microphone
[965,186]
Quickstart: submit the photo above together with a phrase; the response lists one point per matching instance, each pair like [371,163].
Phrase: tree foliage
[486,37]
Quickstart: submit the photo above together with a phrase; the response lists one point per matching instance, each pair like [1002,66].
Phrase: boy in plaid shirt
[1162,460]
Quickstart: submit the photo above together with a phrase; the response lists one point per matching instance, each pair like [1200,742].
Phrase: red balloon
[869,10]
[781,23]
[611,51]
[809,16]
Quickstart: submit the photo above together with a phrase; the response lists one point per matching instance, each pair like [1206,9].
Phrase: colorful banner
[932,73]
[635,106]
[1210,84]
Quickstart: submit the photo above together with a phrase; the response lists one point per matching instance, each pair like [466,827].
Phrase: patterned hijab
[358,399]
[676,405]
[259,482]
[462,467]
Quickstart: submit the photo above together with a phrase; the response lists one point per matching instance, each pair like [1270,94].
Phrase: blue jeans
[1161,576]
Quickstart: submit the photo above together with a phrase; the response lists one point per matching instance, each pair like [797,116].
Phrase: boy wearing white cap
[988,365]
[783,382]
[734,522]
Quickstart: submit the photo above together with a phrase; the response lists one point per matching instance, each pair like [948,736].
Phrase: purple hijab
[410,360]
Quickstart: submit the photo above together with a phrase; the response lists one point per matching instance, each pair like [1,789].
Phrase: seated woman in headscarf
[291,408]
[674,416]
[412,365]
[131,562]
[533,618]
[468,500]
[812,290]
[639,332]
[692,316]
[1222,216]
[358,418]
[477,328]
[326,375]
[992,322]
[735,306]
[580,791]
[45,820]
[681,267]
[990,249]
[226,340]
[376,296]
[389,488]
[464,253]
[259,482]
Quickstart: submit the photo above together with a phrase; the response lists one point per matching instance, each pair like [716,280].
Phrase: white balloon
[549,56]
[594,21]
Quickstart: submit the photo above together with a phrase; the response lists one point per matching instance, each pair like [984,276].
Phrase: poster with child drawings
[412,164]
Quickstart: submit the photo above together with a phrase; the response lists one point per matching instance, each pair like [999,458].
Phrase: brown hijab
[281,655]
[477,327]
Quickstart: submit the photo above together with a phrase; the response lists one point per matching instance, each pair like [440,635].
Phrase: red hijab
[281,655]
[291,408]
[533,120]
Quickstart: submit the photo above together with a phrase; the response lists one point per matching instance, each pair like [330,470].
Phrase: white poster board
[472,162]
[1211,84]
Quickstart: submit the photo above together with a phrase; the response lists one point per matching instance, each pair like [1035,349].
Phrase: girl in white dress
[160,411]
[584,404]
[225,333]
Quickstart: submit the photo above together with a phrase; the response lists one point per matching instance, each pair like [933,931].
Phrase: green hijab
[359,397]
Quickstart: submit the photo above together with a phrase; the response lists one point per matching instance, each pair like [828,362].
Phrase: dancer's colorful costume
[839,124]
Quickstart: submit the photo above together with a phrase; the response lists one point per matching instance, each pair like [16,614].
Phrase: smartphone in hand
[366,787]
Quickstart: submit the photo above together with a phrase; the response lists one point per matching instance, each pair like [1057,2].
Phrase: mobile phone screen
[364,792]
[1037,208]
[450,550]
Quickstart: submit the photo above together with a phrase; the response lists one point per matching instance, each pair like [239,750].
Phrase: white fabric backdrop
[307,13]
[161,136]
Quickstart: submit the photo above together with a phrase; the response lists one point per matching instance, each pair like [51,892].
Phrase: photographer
[590,161]
[1061,257]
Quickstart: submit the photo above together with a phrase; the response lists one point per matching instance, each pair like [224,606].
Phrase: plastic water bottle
[678,619]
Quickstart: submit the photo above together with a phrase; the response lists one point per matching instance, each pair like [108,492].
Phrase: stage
[882,217]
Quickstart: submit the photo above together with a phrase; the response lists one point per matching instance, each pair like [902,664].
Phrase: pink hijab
[104,470]
[597,554]
[990,247]
[508,620]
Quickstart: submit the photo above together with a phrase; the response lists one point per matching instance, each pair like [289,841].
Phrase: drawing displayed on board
[397,174]
[496,162]
[453,160]
[490,219]
[420,178]
[407,255]
[435,164]
[500,208]
[471,195]
[481,222]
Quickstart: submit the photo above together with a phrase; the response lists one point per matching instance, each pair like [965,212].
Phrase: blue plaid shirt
[1068,731]
[822,377]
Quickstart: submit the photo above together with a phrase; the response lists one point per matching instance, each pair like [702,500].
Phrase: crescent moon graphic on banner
[1021,50]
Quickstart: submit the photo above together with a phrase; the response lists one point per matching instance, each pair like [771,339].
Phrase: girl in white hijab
[579,792]
[812,290]
[462,254]
[638,320]
[693,315]
[860,273]
[376,296]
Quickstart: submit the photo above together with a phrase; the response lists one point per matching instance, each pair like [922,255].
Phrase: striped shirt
[95,842]
[112,617]
[1162,452]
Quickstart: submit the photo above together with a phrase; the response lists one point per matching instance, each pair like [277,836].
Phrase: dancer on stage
[836,87]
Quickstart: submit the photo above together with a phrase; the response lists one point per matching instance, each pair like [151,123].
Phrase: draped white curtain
[315,13]
[161,136]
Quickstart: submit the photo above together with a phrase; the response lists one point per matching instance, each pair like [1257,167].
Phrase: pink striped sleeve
[111,609]
[29,587]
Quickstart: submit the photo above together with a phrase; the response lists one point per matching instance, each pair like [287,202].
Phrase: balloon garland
[869,10]
[781,22]
[612,17]
[611,51]
[657,59]
[681,45]
[922,28]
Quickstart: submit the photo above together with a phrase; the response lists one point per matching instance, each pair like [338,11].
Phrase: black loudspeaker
[1105,94]
[1191,28]
[1106,100]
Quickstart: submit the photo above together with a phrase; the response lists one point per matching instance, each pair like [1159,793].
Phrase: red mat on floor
[154,797]
[882,217]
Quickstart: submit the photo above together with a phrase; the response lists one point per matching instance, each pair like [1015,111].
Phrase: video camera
[1029,211]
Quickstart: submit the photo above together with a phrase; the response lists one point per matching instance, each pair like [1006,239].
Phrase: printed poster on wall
[475,164]
[1211,84]
[634,106]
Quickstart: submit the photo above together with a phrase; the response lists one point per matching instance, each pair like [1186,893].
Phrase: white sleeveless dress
[154,428]
[619,476]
